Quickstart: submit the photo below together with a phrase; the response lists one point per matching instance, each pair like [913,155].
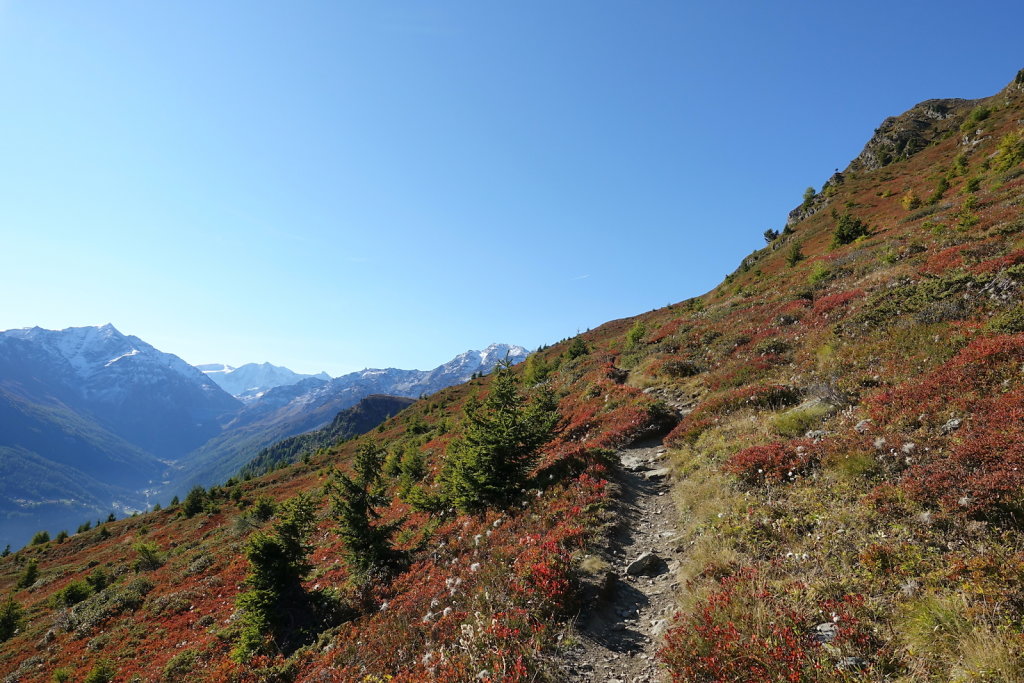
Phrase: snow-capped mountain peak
[151,398]
[252,380]
[89,351]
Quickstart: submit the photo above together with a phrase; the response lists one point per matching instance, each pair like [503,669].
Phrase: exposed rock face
[1017,84]
[901,137]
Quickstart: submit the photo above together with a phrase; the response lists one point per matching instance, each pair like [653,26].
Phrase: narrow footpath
[618,634]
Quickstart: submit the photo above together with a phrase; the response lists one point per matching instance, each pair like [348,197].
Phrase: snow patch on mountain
[123,355]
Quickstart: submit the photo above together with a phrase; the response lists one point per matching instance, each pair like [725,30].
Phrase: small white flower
[475,567]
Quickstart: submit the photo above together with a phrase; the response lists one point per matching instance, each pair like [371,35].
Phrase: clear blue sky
[336,185]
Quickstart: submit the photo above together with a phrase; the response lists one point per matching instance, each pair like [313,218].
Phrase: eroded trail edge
[619,631]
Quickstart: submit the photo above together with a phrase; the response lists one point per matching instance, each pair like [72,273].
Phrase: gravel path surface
[617,636]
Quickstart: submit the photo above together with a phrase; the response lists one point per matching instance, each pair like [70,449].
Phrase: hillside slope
[359,419]
[846,456]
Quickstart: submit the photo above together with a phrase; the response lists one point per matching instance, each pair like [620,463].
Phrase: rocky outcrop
[901,137]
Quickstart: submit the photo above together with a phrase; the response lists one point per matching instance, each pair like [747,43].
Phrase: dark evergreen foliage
[12,618]
[491,461]
[368,548]
[848,228]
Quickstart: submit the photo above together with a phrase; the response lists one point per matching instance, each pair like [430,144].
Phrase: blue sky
[335,185]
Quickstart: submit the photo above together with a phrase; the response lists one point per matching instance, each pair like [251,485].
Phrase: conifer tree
[368,548]
[31,573]
[577,347]
[535,370]
[499,445]
[278,562]
[195,501]
[12,618]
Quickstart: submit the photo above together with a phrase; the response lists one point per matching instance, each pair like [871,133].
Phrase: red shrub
[827,304]
[666,330]
[946,260]
[689,430]
[775,462]
[983,474]
[745,632]
[997,264]
[985,366]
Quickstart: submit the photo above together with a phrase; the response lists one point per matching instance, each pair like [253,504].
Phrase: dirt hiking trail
[618,633]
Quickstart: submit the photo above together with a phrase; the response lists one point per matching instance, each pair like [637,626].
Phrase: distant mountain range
[312,402]
[94,421]
[250,381]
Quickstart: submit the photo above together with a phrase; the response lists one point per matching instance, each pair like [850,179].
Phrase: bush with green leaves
[104,672]
[411,468]
[977,115]
[797,421]
[795,254]
[941,188]
[12,618]
[491,461]
[40,538]
[30,574]
[809,194]
[263,509]
[72,594]
[536,369]
[848,228]
[635,335]
[195,501]
[1009,152]
[820,274]
[279,560]
[910,200]
[149,556]
[577,347]
[98,579]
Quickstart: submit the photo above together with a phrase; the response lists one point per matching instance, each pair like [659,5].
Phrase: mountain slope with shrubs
[843,416]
